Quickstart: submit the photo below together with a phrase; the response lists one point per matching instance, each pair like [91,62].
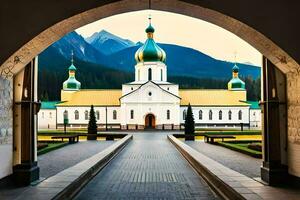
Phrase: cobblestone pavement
[239,162]
[149,167]
[60,159]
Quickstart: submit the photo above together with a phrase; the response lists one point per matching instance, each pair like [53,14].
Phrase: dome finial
[235,55]
[72,57]
[150,30]
[149,17]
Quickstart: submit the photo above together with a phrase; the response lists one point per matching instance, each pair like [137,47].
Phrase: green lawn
[51,147]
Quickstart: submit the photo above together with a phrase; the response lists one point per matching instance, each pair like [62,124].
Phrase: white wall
[141,71]
[47,119]
[82,120]
[255,118]
[157,104]
[215,116]
[6,127]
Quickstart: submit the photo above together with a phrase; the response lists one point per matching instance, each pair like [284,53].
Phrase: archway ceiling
[26,24]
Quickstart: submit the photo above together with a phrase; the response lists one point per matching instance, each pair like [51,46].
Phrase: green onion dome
[71,83]
[150,51]
[236,83]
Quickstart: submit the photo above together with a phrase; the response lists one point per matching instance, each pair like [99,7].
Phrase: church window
[168,114]
[161,75]
[50,115]
[139,75]
[184,114]
[168,88]
[149,74]
[131,114]
[114,114]
[43,115]
[210,115]
[229,114]
[76,114]
[220,115]
[98,115]
[240,115]
[86,115]
[66,114]
[150,93]
[131,88]
[200,114]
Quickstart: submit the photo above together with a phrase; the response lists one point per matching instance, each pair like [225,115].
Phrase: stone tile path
[239,162]
[60,159]
[148,168]
[56,161]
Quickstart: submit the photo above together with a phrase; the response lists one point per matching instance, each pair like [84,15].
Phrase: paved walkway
[239,162]
[56,161]
[60,159]
[149,167]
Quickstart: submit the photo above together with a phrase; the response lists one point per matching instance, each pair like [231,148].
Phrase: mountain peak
[108,43]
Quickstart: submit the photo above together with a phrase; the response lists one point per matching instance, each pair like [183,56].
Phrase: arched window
[210,115]
[98,115]
[139,75]
[200,114]
[131,114]
[184,114]
[50,115]
[114,114]
[161,75]
[86,115]
[168,114]
[240,115]
[220,115]
[76,114]
[43,115]
[66,115]
[229,114]
[149,74]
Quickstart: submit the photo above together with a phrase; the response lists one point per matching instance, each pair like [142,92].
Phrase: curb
[218,177]
[106,156]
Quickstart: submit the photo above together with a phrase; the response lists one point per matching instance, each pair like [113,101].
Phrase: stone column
[274,170]
[27,170]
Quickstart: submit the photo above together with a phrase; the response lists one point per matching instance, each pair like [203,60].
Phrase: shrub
[92,127]
[189,124]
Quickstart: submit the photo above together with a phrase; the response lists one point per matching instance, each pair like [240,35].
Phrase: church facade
[150,101]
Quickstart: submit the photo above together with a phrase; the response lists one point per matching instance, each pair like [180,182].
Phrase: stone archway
[25,51]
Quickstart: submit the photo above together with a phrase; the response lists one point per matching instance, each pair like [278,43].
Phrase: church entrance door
[150,121]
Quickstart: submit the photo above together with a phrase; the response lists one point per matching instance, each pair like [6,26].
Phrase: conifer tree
[189,124]
[92,127]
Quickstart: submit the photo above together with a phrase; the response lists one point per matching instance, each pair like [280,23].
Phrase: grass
[61,132]
[230,132]
[51,147]
[242,148]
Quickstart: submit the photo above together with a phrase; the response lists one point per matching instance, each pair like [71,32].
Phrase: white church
[150,102]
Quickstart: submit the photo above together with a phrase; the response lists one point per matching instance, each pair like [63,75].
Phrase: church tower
[236,83]
[71,83]
[150,60]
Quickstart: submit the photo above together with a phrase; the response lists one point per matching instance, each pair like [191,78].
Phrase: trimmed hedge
[228,133]
[241,149]
[51,147]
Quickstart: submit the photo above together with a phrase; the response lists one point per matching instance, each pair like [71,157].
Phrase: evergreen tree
[189,124]
[92,127]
